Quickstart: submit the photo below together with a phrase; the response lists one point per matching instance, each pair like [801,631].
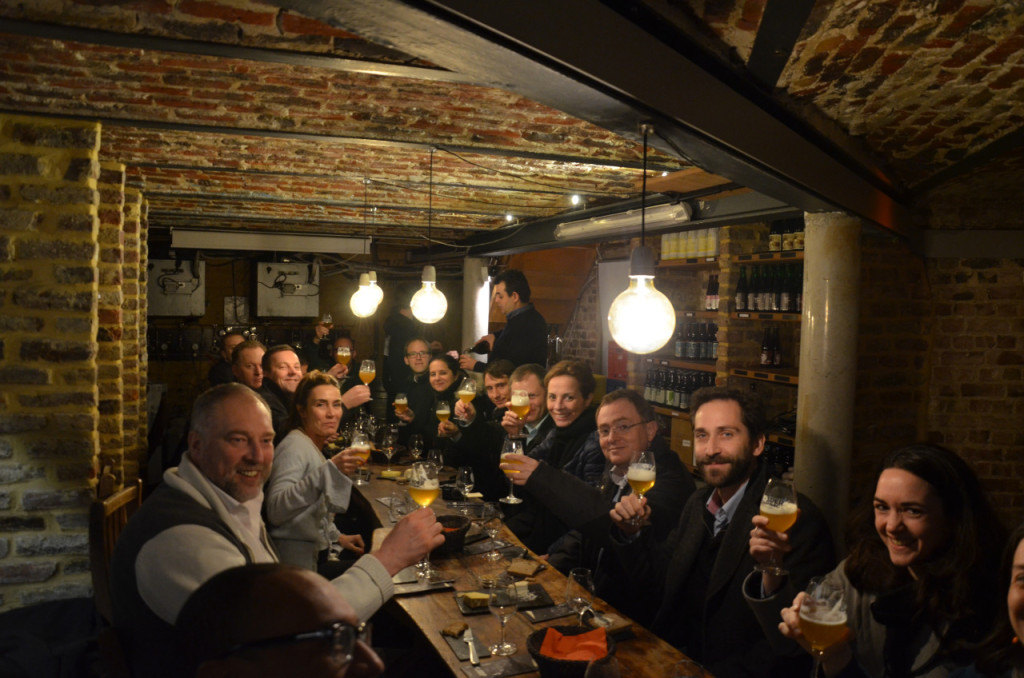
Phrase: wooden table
[642,656]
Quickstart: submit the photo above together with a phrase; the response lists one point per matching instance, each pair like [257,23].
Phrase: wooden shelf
[766,315]
[781,439]
[692,262]
[685,364]
[775,375]
[770,257]
[698,315]
[671,411]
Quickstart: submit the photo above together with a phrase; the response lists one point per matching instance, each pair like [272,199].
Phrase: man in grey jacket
[205,518]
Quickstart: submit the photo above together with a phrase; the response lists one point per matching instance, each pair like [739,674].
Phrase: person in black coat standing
[525,337]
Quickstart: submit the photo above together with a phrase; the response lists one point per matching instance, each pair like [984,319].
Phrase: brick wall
[49,230]
[976,390]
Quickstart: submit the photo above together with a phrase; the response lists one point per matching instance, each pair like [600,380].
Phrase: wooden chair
[107,517]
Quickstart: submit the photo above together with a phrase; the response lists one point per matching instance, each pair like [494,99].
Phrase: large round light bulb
[641,319]
[362,302]
[428,305]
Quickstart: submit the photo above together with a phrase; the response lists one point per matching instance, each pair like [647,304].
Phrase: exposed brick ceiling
[244,114]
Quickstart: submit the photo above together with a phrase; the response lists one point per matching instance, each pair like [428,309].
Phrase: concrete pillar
[828,363]
[476,300]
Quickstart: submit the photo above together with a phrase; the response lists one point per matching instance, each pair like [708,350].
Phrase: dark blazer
[731,640]
[280,408]
[523,340]
[586,509]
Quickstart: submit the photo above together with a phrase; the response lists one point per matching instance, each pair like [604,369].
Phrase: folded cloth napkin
[581,647]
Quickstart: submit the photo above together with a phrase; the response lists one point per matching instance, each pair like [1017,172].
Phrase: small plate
[536,596]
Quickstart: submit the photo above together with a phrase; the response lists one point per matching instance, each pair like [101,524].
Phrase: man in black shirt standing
[525,337]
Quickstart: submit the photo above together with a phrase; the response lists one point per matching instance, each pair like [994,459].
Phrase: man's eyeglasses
[618,429]
[417,354]
[342,637]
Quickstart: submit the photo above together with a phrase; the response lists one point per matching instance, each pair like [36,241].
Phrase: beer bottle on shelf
[785,301]
[787,236]
[714,294]
[681,397]
[649,384]
[684,391]
[798,233]
[714,342]
[707,294]
[680,341]
[766,348]
[740,300]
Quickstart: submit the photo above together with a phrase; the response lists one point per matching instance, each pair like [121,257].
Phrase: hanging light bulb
[362,302]
[641,319]
[367,298]
[428,305]
[374,291]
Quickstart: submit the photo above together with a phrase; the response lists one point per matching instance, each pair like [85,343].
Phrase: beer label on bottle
[774,242]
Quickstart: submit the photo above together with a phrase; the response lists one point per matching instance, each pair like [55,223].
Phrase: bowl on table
[551,667]
[454,529]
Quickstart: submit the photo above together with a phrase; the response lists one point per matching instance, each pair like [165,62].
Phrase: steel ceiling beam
[585,58]
[781,23]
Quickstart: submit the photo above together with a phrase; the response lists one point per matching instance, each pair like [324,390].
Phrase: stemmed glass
[342,355]
[519,403]
[367,371]
[401,405]
[511,446]
[424,489]
[640,476]
[466,393]
[579,587]
[778,505]
[503,603]
[464,480]
[490,519]
[361,444]
[416,446]
[443,410]
[435,457]
[327,321]
[388,444]
[823,617]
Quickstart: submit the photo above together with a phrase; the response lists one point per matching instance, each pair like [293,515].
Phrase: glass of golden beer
[511,446]
[640,476]
[466,393]
[443,410]
[361,444]
[401,403]
[367,371]
[424,488]
[342,355]
[778,505]
[823,617]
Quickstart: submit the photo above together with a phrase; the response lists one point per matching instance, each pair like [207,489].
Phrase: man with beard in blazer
[704,562]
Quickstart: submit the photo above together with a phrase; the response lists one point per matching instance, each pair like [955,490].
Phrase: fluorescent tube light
[624,223]
[267,242]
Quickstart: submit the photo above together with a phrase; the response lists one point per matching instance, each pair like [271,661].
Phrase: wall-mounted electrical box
[176,288]
[287,290]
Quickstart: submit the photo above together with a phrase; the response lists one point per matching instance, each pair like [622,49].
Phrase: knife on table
[468,638]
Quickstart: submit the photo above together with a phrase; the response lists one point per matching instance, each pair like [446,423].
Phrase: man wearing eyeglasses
[272,620]
[625,427]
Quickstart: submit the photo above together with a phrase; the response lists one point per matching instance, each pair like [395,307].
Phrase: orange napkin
[582,647]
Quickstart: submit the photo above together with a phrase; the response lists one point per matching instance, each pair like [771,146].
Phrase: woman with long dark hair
[919,579]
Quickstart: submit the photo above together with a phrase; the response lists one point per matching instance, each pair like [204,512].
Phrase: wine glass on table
[490,520]
[367,371]
[823,617]
[388,444]
[424,489]
[466,393]
[640,476]
[464,480]
[416,446]
[778,505]
[503,603]
[361,444]
[511,446]
[579,589]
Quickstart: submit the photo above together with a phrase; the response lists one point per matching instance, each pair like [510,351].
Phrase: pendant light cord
[645,128]
[430,204]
